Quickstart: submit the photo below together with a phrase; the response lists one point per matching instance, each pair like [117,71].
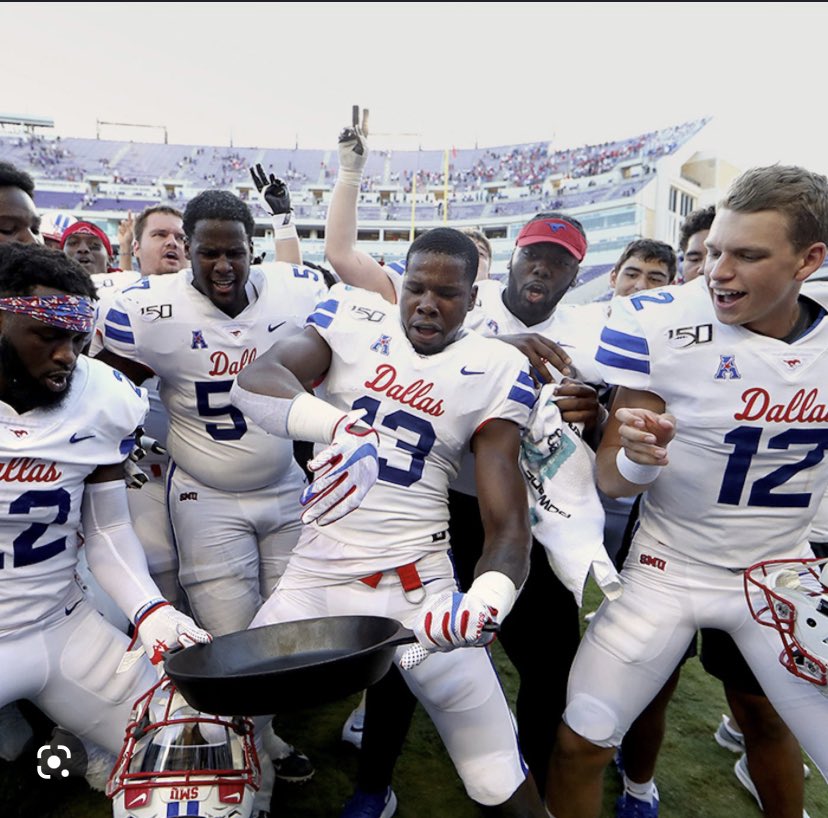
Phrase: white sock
[643,792]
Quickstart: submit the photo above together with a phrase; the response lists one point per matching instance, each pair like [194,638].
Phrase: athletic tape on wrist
[634,472]
[352,178]
[284,226]
[496,590]
[312,419]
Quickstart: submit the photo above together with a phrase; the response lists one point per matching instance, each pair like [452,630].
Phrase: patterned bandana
[73,312]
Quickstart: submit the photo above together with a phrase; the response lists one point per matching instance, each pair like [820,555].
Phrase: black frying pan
[292,664]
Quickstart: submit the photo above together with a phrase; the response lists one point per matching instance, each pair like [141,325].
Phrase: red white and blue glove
[455,620]
[160,627]
[347,470]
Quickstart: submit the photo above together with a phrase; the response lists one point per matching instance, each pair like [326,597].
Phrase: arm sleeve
[113,551]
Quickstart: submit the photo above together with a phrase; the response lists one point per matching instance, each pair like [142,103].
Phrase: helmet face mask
[794,601]
[174,754]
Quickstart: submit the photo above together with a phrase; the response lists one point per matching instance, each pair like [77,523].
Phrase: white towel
[566,515]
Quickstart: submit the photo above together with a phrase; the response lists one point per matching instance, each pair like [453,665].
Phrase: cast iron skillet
[292,664]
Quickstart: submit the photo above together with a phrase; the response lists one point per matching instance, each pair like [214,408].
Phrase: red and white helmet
[795,603]
[177,761]
[53,223]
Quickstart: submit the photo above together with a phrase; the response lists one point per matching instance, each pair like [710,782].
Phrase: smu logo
[727,370]
[656,562]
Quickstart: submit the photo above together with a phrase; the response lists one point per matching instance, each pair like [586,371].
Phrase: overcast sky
[452,73]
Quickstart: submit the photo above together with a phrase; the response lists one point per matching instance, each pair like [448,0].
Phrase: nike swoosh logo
[77,439]
[274,327]
[233,796]
[71,608]
[464,371]
[139,799]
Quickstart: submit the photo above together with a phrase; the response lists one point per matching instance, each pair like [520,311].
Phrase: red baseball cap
[90,230]
[554,231]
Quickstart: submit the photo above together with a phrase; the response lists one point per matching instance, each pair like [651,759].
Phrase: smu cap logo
[381,344]
[198,340]
[493,326]
[727,370]
[792,363]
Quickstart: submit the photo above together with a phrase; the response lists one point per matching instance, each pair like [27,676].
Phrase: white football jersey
[196,350]
[747,468]
[107,284]
[45,457]
[574,327]
[566,327]
[426,409]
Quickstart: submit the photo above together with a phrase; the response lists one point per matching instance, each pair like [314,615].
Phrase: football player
[525,312]
[66,426]
[399,415]
[731,457]
[231,490]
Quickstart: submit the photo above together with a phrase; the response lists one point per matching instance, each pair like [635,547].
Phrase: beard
[22,391]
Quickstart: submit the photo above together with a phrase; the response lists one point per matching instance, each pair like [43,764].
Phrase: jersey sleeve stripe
[324,313]
[609,358]
[525,396]
[526,379]
[118,317]
[119,335]
[622,340]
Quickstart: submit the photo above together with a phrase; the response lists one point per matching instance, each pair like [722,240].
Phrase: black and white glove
[346,471]
[353,149]
[160,627]
[275,198]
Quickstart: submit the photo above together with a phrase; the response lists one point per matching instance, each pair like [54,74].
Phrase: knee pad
[592,720]
[492,779]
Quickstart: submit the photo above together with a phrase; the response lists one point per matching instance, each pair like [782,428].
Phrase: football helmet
[53,223]
[177,761]
[794,603]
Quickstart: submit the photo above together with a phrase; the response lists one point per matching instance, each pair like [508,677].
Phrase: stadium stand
[607,186]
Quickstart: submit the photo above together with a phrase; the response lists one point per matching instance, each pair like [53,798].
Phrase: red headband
[89,230]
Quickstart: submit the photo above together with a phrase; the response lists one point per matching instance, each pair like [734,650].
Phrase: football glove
[160,627]
[353,149]
[273,193]
[346,471]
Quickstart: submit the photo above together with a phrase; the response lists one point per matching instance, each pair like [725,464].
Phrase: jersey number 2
[25,550]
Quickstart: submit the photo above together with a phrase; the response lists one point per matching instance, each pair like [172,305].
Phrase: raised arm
[634,447]
[275,198]
[353,266]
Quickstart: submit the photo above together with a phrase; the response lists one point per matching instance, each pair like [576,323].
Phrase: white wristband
[352,178]
[284,226]
[635,472]
[311,418]
[496,590]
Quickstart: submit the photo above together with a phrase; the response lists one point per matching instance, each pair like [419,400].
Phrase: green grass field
[695,775]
